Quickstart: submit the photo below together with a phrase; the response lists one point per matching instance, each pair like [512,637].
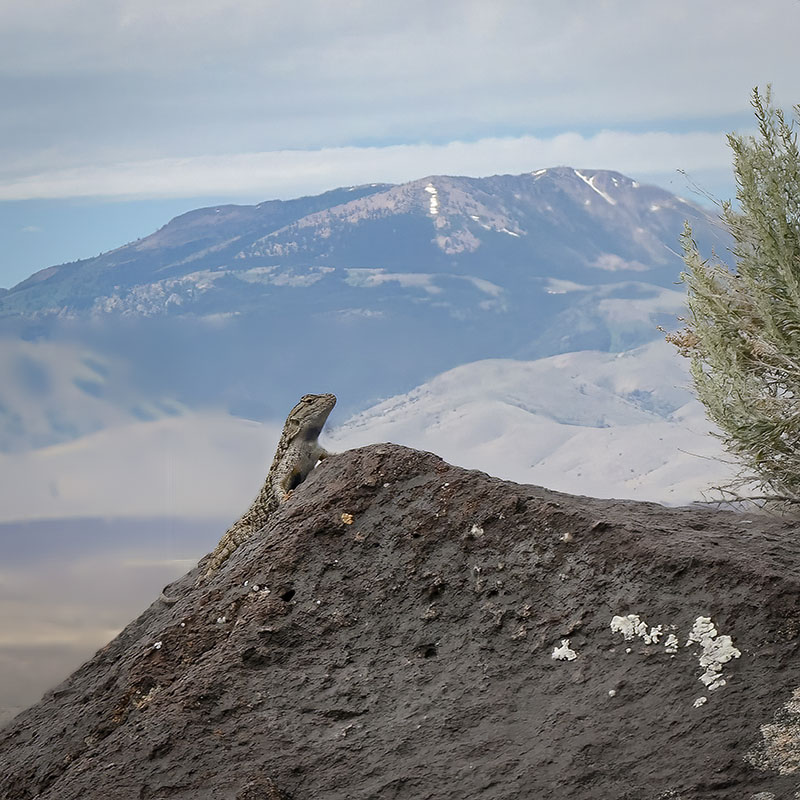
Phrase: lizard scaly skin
[297,454]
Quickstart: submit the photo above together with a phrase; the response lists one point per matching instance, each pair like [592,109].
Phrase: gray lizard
[297,454]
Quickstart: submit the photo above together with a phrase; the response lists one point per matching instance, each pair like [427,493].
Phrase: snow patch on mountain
[275,276]
[434,199]
[370,278]
[590,183]
[430,283]
[487,287]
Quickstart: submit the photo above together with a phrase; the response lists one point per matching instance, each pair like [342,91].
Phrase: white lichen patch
[654,635]
[476,530]
[671,643]
[716,651]
[701,701]
[631,627]
[564,653]
[628,626]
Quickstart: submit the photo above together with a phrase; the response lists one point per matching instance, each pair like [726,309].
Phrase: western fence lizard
[297,454]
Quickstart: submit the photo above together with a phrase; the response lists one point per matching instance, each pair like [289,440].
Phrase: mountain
[452,236]
[204,238]
[403,628]
[620,425]
[364,291]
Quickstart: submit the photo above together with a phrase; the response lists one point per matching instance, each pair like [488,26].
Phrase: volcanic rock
[403,628]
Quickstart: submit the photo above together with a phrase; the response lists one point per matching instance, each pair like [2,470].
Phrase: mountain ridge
[457,216]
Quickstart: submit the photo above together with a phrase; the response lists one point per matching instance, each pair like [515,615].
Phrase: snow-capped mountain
[456,243]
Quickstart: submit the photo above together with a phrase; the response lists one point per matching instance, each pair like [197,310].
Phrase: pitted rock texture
[389,635]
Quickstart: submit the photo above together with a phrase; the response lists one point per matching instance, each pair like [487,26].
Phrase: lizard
[297,454]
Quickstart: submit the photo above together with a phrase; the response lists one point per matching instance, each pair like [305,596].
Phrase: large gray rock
[404,629]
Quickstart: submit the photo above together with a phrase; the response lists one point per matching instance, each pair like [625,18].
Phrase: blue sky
[119,114]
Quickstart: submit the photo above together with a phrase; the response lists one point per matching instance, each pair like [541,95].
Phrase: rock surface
[392,632]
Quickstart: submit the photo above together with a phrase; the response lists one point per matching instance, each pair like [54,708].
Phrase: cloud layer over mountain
[95,88]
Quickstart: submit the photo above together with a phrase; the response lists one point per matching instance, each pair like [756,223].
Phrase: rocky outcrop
[403,628]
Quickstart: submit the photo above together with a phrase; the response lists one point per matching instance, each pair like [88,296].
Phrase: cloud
[614,263]
[31,229]
[89,82]
[287,173]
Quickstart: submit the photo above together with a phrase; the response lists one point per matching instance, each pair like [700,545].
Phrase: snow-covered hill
[609,425]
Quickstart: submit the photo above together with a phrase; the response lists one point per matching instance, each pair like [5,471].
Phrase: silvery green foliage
[743,329]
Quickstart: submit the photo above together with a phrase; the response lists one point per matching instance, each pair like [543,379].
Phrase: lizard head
[310,414]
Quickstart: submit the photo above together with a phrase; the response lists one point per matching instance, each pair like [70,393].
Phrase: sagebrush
[743,328]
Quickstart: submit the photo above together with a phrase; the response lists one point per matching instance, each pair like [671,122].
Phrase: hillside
[623,425]
[458,637]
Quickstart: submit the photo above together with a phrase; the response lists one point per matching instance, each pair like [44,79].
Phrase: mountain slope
[200,238]
[457,636]
[605,425]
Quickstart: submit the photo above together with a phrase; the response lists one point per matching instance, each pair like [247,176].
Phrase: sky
[120,114]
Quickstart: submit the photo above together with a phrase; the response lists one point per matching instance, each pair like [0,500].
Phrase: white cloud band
[289,173]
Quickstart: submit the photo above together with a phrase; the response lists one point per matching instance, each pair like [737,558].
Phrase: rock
[402,654]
